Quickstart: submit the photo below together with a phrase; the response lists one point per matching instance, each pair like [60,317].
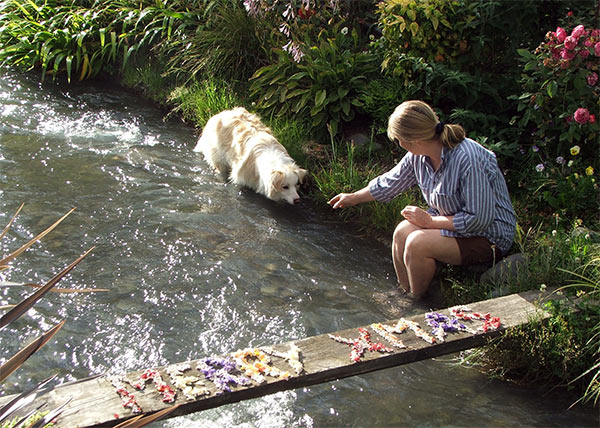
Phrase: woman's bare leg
[422,248]
[403,230]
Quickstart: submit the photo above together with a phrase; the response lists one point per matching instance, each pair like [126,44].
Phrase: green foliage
[587,283]
[349,168]
[565,349]
[322,87]
[555,80]
[198,102]
[225,42]
[435,30]
[558,108]
[28,422]
[548,353]
[80,41]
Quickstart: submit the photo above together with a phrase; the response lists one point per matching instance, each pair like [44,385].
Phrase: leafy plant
[587,283]
[79,41]
[562,96]
[323,87]
[558,119]
[224,42]
[435,30]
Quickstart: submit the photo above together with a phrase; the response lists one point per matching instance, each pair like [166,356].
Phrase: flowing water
[196,266]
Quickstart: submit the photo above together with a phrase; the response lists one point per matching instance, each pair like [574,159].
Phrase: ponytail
[451,135]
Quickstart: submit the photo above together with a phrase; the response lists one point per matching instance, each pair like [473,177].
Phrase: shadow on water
[197,266]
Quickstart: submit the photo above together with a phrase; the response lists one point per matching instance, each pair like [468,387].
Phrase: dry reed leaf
[26,304]
[140,421]
[11,221]
[55,289]
[20,357]
[11,256]
[23,399]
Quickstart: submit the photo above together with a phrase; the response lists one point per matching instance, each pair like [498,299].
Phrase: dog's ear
[277,178]
[301,173]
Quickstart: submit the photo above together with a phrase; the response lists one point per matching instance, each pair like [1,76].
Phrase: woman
[470,219]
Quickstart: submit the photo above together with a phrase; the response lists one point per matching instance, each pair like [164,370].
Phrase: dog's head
[285,183]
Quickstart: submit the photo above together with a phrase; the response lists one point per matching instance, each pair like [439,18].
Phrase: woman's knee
[402,231]
[416,244]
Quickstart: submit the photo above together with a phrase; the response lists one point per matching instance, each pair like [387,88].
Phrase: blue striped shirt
[468,185]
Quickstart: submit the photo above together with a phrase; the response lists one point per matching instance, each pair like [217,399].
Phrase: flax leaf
[54,290]
[140,421]
[8,258]
[20,357]
[11,222]
[26,304]
[23,399]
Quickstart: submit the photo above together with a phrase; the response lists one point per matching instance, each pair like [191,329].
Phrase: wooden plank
[95,401]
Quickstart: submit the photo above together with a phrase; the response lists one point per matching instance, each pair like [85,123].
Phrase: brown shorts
[478,250]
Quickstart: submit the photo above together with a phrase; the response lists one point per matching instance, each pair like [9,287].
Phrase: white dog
[237,144]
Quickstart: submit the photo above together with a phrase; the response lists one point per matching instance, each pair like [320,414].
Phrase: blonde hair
[415,121]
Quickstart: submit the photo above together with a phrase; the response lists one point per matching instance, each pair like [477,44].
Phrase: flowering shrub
[559,111]
[561,99]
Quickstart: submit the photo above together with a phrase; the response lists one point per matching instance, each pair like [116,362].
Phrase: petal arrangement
[440,325]
[242,367]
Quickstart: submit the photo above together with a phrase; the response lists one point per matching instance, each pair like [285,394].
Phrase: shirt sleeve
[478,211]
[398,179]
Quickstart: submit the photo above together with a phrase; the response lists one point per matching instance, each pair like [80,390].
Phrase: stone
[506,270]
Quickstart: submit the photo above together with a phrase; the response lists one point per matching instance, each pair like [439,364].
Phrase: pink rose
[592,79]
[568,55]
[584,53]
[592,118]
[578,31]
[597,49]
[561,34]
[595,32]
[570,43]
[555,53]
[588,42]
[582,115]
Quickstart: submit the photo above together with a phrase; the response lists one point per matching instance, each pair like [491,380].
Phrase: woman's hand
[343,200]
[418,217]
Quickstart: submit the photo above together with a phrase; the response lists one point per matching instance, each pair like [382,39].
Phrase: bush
[558,111]
[77,40]
[225,43]
[321,85]
[435,30]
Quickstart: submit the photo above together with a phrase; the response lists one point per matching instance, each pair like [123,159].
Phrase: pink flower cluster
[583,116]
[580,42]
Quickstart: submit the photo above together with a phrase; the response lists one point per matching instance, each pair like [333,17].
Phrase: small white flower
[570,164]
[554,232]
[543,287]
[587,236]
[344,31]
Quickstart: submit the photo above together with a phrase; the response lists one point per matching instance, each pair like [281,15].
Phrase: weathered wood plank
[95,401]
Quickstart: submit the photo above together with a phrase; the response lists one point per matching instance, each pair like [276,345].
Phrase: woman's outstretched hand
[342,200]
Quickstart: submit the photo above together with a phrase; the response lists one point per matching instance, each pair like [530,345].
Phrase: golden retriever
[238,145]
